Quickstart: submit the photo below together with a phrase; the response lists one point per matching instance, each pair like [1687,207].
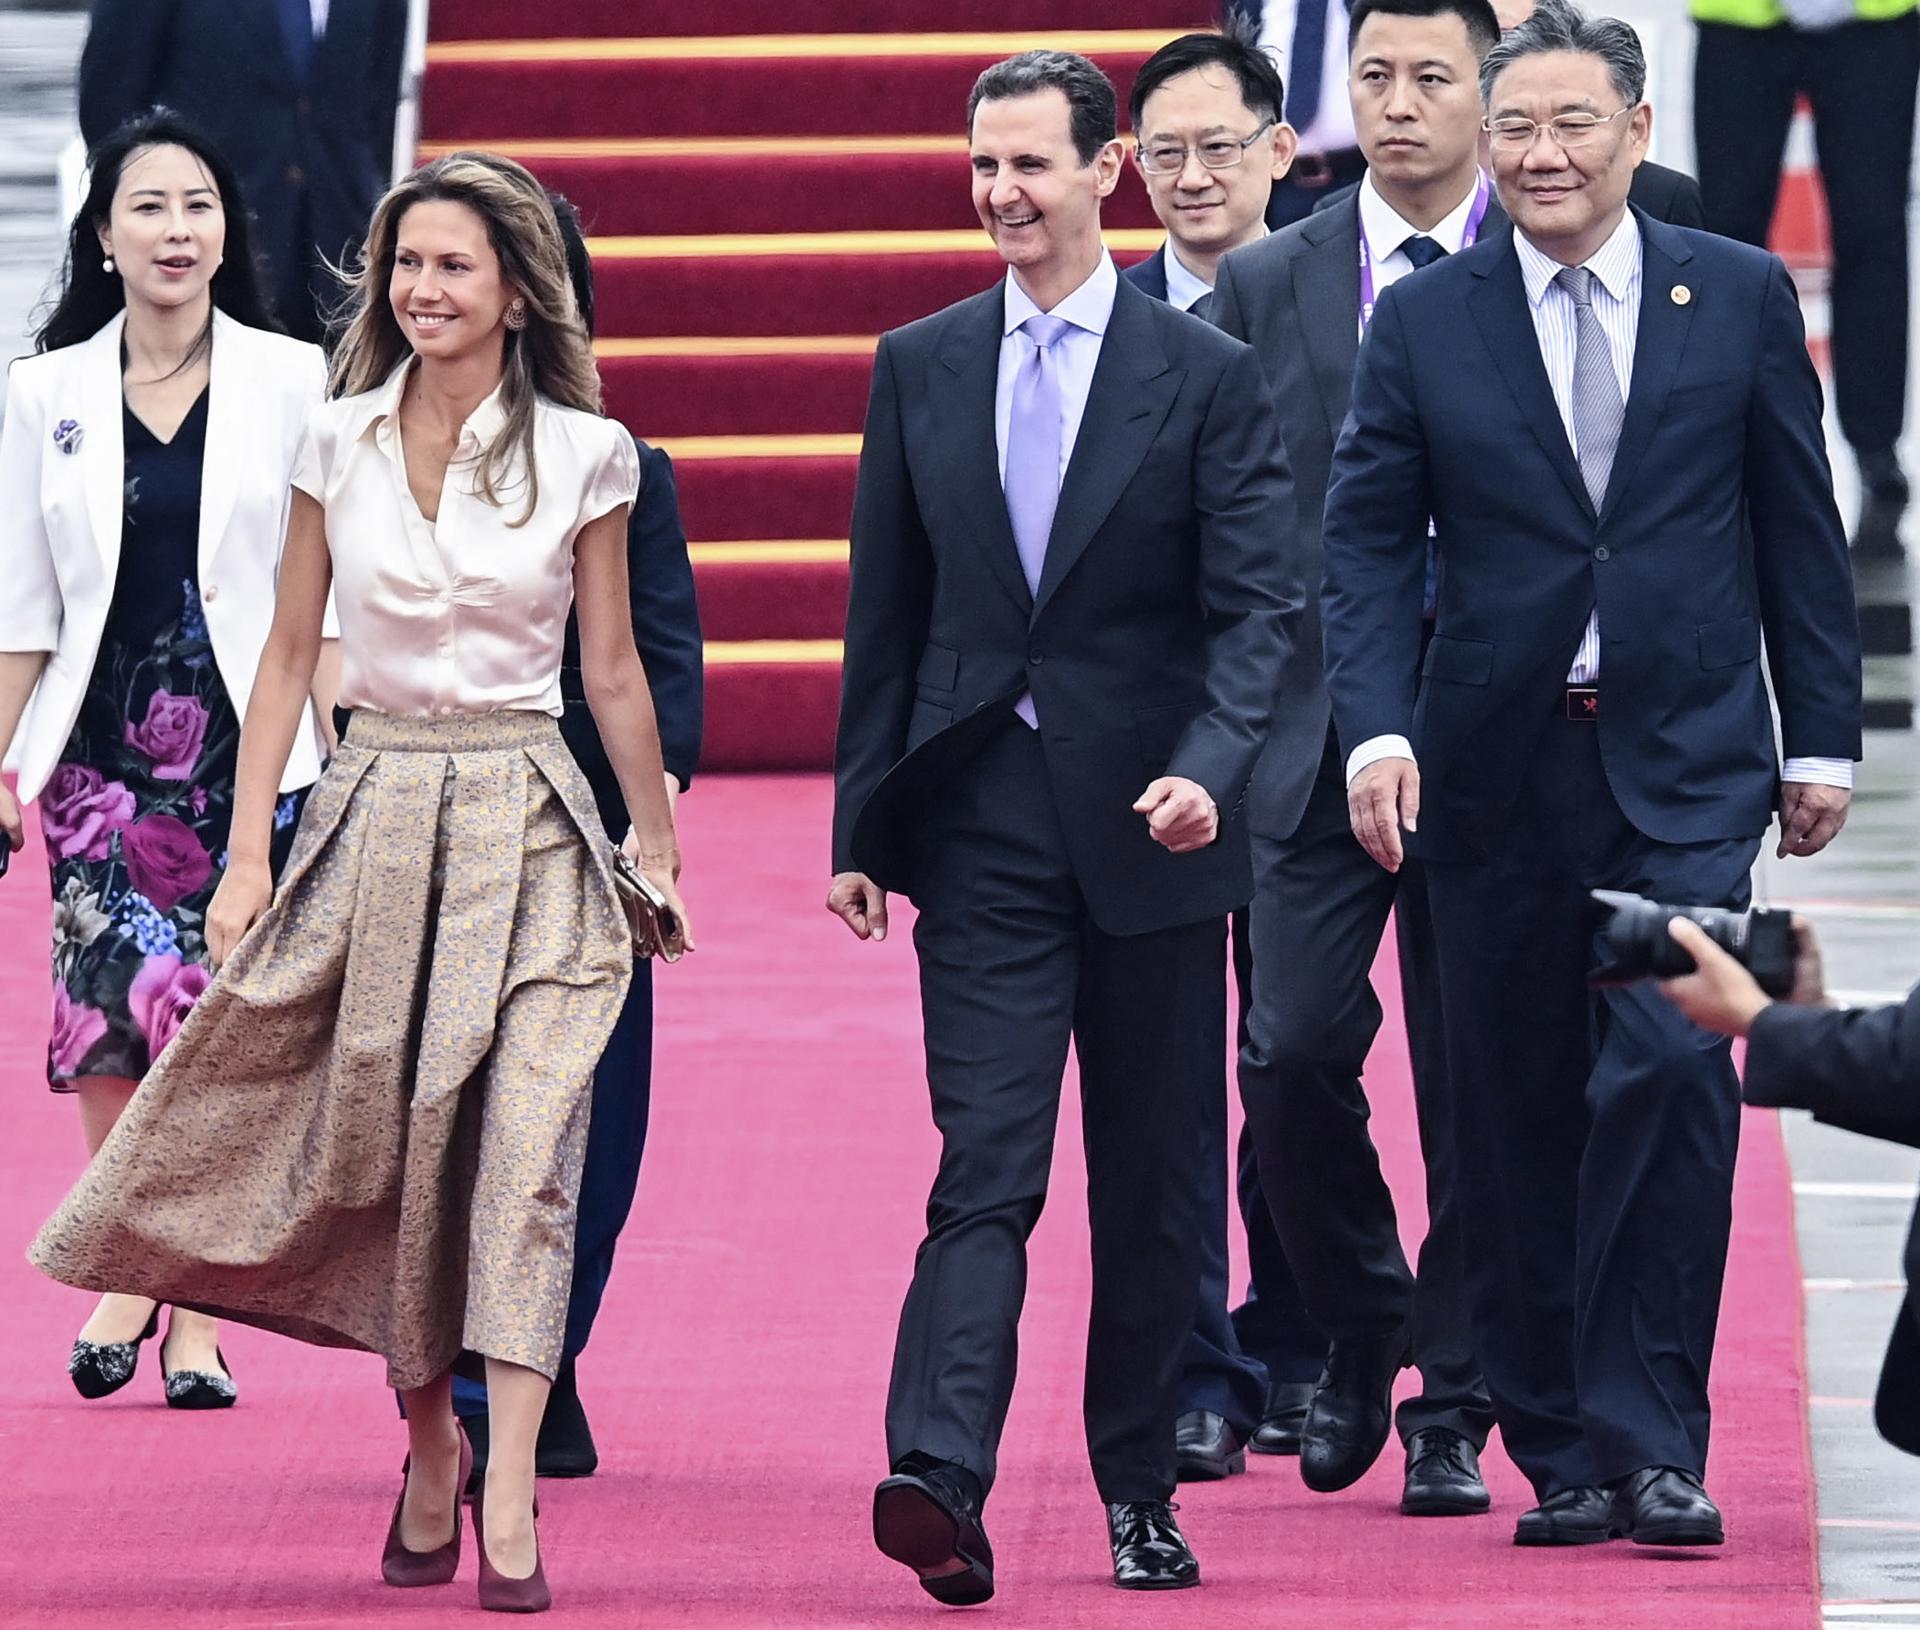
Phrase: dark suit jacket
[666,628]
[1153,644]
[1858,1070]
[1149,276]
[326,139]
[1453,417]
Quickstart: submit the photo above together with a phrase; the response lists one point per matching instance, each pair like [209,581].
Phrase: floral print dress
[136,813]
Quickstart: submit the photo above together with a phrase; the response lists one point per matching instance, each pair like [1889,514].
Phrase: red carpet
[737,1376]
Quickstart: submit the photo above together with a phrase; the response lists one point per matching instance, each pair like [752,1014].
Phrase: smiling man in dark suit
[1065,626]
[1615,428]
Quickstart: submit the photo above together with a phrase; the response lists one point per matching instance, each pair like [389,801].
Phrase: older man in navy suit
[1615,428]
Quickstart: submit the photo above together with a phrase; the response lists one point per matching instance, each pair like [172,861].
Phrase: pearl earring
[107,264]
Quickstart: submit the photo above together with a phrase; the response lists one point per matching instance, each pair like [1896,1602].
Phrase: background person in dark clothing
[302,93]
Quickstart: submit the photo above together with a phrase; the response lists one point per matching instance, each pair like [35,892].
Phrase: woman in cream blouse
[369,1134]
[143,499]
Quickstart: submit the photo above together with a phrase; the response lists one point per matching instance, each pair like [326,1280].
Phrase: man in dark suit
[1322,904]
[1067,612]
[300,96]
[1859,1070]
[1210,142]
[666,628]
[1615,429]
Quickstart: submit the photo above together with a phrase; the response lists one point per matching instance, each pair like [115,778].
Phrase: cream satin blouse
[468,613]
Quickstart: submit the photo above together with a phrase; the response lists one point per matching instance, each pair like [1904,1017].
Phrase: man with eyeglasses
[1614,426]
[1210,142]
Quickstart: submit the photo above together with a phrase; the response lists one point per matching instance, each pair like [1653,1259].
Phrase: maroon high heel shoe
[406,1569]
[498,1593]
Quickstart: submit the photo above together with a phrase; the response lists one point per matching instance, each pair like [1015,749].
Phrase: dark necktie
[1422,251]
[1202,306]
[296,23]
[1309,49]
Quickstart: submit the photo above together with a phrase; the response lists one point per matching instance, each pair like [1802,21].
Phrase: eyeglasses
[1568,130]
[1222,153]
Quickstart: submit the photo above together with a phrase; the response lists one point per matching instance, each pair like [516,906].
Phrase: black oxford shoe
[1351,1416]
[1659,1505]
[1205,1448]
[565,1447]
[926,1517]
[1149,1551]
[1577,1516]
[1279,1430]
[1443,1476]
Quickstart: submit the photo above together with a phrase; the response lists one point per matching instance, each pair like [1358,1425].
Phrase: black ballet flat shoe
[102,1367]
[926,1517]
[199,1389]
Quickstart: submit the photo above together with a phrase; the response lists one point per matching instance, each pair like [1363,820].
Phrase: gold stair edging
[684,449]
[765,653]
[735,345]
[760,47]
[770,552]
[750,245]
[539,147]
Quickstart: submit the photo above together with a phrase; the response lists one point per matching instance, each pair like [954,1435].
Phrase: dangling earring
[107,264]
[516,318]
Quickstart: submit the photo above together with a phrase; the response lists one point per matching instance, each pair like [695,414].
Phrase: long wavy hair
[89,294]
[551,357]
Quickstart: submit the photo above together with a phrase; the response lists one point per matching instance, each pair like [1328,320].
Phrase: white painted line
[1874,1523]
[1867,998]
[1880,1613]
[1854,1191]
[1890,910]
[1853,1284]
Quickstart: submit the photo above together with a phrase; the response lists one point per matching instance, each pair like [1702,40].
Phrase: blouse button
[210,593]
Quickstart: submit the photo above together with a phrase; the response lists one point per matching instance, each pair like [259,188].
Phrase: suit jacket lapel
[103,450]
[1133,386]
[1662,336]
[221,465]
[1499,306]
[961,384]
[1326,285]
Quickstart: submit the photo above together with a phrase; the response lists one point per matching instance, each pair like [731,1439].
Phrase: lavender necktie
[1033,455]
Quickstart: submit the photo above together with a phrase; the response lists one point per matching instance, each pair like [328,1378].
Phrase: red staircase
[764,200]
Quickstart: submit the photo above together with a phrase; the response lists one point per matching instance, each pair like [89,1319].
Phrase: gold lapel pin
[1682,295]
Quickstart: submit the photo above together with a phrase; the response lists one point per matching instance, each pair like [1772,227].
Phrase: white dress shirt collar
[1185,286]
[1387,230]
[1089,307]
[1614,264]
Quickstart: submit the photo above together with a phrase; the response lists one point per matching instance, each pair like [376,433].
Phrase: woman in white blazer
[144,491]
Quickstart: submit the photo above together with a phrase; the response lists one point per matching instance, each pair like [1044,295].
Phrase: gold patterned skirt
[369,1131]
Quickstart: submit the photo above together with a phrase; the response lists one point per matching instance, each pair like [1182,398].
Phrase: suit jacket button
[1035,658]
[1603,553]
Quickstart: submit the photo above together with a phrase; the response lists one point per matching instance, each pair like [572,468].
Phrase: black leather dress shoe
[1443,1476]
[1579,1516]
[565,1446]
[1658,1505]
[1279,1430]
[926,1516]
[1149,1551]
[1205,1447]
[1351,1416]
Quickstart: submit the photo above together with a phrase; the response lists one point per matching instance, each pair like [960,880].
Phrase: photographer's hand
[1720,995]
[1811,816]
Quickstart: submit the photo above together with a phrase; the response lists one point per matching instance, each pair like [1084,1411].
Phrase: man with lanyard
[1301,298]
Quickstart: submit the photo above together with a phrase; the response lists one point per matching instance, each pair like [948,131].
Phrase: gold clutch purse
[656,930]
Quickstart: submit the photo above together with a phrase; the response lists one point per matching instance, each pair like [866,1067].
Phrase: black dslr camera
[1639,947]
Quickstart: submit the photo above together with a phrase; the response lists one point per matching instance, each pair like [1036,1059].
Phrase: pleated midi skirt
[369,1132]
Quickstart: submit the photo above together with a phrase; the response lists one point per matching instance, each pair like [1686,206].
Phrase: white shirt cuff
[1821,772]
[1379,747]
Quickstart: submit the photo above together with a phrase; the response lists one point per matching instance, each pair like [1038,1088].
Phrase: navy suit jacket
[325,138]
[1149,276]
[1453,417]
[666,629]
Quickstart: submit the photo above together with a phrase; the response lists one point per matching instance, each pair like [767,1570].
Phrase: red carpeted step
[772,600]
[788,294]
[764,189]
[770,716]
[738,395]
[532,19]
[488,101]
[726,498]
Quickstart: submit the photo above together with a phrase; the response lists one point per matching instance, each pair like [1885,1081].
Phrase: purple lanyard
[1482,196]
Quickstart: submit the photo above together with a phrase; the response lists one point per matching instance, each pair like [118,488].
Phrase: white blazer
[60,515]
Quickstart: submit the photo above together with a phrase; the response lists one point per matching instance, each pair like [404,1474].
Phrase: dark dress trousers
[1232,1356]
[666,628]
[1861,1071]
[312,139]
[1322,903]
[1046,913]
[1594,1132]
